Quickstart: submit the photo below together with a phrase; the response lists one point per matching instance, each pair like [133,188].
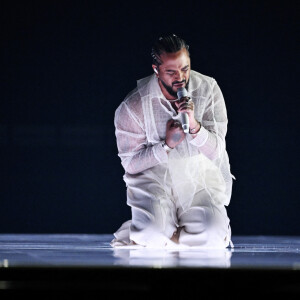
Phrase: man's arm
[132,143]
[211,138]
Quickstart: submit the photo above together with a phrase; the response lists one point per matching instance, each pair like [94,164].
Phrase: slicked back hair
[167,44]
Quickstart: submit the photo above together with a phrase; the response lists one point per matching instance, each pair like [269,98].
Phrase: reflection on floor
[77,261]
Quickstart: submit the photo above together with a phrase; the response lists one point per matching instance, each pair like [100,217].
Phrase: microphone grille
[182,92]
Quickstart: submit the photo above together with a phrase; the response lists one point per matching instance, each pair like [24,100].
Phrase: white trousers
[156,215]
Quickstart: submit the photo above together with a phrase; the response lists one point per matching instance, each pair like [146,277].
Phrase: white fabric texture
[189,186]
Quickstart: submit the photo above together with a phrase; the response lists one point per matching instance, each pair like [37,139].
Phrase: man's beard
[170,89]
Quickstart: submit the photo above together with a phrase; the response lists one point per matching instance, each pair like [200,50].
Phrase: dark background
[67,65]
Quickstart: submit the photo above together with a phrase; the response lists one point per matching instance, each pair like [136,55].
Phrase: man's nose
[180,76]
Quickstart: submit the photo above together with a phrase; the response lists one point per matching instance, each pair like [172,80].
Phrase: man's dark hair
[167,44]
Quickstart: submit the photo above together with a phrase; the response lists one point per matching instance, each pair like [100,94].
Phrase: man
[177,183]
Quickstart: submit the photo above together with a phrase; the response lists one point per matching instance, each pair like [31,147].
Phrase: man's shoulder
[132,95]
[132,101]
[200,84]
[199,77]
[136,94]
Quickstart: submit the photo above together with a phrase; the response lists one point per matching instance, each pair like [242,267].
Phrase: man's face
[174,72]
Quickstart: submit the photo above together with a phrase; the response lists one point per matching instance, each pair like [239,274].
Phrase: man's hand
[174,133]
[187,106]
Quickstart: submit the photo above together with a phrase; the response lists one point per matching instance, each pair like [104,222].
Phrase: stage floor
[88,262]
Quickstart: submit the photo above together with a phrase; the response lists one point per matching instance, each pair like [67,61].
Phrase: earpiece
[155,71]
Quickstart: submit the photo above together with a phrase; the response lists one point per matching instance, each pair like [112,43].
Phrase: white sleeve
[211,138]
[135,155]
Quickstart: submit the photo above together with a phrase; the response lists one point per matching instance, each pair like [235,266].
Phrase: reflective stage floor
[257,265]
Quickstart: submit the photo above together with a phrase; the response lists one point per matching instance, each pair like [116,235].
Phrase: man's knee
[211,234]
[206,226]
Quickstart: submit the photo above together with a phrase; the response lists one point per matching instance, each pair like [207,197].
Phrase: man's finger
[169,123]
[176,124]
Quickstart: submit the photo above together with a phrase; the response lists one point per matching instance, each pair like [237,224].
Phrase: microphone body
[182,93]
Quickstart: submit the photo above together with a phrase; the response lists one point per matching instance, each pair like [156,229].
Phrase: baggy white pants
[156,215]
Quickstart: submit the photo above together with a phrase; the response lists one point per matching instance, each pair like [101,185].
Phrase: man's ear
[154,67]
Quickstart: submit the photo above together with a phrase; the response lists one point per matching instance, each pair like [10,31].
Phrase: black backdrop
[66,66]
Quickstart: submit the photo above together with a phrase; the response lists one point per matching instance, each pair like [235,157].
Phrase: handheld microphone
[181,93]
